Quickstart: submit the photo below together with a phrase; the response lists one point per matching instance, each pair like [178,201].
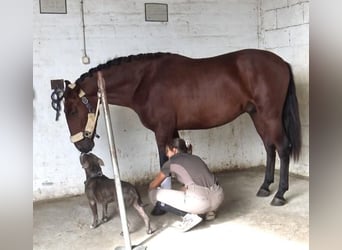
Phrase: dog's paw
[129,231]
[93,226]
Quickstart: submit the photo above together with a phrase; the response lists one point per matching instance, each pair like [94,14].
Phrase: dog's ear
[95,157]
[100,161]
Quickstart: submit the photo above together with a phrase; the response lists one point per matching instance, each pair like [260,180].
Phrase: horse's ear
[69,84]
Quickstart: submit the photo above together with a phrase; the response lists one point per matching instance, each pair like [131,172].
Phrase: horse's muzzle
[85,145]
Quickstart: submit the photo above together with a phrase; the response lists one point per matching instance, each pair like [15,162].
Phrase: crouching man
[201,194]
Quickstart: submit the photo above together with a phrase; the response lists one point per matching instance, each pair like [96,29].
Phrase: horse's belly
[207,117]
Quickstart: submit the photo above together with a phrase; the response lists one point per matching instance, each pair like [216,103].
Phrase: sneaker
[157,210]
[189,222]
[210,215]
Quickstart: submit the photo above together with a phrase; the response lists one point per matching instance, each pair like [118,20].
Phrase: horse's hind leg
[269,172]
[272,133]
[284,155]
[276,136]
[261,128]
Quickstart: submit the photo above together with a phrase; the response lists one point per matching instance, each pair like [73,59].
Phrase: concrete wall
[284,29]
[117,28]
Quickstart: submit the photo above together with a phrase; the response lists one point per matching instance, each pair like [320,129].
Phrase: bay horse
[171,92]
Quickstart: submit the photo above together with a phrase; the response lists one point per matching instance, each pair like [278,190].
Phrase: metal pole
[101,85]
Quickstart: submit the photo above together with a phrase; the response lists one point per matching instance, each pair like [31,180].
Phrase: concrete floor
[244,221]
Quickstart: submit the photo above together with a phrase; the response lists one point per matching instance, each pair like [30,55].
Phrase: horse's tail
[291,119]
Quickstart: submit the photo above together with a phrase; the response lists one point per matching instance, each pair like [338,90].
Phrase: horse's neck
[121,84]
[119,91]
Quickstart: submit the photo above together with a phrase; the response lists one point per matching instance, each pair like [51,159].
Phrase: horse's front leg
[162,138]
[161,143]
[157,209]
[163,158]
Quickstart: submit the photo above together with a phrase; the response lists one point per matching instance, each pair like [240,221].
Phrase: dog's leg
[144,216]
[104,212]
[93,207]
[128,226]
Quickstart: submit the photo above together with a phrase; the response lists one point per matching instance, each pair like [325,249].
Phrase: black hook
[56,98]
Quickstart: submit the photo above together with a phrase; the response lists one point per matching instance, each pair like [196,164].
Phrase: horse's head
[81,117]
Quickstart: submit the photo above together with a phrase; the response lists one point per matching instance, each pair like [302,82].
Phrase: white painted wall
[284,29]
[117,28]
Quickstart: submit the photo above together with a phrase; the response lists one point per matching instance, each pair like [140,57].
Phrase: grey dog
[100,189]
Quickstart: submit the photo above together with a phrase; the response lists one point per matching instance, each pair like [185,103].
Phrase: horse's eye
[71,112]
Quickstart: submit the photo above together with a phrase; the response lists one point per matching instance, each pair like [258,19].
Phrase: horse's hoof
[104,219]
[150,231]
[278,201]
[263,192]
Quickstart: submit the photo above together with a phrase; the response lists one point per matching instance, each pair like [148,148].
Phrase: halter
[92,117]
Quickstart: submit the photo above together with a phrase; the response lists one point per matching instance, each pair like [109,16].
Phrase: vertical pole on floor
[102,89]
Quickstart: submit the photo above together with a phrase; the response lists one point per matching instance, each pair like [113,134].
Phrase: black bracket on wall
[57,95]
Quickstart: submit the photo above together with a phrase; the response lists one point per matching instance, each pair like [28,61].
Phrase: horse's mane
[118,61]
